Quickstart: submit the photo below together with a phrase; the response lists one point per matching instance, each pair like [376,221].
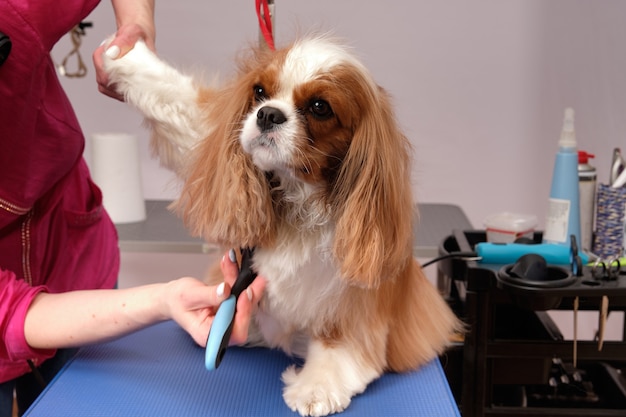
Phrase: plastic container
[587,179]
[507,227]
[563,217]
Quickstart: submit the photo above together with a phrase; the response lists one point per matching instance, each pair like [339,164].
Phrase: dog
[300,157]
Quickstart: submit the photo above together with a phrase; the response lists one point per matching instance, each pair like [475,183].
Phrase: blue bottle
[563,217]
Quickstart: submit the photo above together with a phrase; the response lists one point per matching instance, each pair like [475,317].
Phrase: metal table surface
[162,231]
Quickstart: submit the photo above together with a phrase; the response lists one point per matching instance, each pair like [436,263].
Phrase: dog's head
[309,123]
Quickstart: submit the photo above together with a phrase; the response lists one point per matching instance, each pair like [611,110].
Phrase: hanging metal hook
[75,34]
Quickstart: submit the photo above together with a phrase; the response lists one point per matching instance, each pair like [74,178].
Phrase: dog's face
[312,113]
[305,105]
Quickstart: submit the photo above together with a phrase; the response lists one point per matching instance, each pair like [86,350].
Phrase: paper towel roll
[116,170]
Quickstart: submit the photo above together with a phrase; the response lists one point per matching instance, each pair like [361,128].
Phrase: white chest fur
[303,289]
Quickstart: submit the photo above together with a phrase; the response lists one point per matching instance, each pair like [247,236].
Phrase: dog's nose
[268,117]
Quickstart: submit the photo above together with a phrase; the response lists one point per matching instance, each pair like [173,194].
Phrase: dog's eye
[321,109]
[259,93]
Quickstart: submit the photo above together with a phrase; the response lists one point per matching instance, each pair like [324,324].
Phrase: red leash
[265,22]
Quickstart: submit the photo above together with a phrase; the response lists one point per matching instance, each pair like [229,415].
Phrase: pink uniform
[54,234]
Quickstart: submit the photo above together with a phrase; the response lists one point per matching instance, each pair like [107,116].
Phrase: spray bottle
[563,218]
[587,190]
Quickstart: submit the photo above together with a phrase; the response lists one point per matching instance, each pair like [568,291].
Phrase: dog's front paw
[131,69]
[313,395]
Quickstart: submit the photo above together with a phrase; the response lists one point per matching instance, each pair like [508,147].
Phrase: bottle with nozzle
[563,217]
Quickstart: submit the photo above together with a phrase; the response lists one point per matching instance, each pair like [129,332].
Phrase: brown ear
[225,198]
[373,199]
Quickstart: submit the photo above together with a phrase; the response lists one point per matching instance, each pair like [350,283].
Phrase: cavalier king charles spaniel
[301,158]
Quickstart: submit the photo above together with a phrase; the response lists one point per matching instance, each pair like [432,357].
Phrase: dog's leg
[331,376]
[166,98]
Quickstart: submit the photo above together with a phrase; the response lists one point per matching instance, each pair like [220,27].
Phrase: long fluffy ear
[373,198]
[225,198]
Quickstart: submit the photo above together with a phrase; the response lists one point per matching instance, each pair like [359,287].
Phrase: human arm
[81,317]
[135,20]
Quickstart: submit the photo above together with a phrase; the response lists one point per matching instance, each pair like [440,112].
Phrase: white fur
[310,57]
[274,150]
[309,300]
[327,382]
[164,96]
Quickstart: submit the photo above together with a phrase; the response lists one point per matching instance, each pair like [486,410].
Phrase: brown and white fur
[300,156]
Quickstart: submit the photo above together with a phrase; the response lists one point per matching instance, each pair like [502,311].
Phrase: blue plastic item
[222,327]
[508,253]
[219,335]
[563,217]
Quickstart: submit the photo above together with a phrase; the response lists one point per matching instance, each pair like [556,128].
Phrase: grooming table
[162,231]
[159,371]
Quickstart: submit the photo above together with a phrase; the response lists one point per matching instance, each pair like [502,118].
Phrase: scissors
[222,326]
[609,268]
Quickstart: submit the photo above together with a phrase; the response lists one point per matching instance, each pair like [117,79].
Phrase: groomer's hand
[247,302]
[193,304]
[123,41]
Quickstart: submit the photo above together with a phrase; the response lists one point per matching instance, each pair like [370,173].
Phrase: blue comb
[222,326]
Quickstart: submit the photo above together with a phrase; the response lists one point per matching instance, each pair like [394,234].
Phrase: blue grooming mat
[159,371]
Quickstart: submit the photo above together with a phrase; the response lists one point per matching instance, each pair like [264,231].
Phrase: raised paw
[166,97]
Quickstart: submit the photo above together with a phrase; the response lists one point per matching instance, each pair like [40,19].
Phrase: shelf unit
[512,344]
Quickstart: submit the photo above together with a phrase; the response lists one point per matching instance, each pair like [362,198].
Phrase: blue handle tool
[508,253]
[222,326]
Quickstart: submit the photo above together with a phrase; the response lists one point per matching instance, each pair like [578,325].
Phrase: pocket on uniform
[92,212]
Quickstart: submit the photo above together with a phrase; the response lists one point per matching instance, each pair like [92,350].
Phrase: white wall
[480,87]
